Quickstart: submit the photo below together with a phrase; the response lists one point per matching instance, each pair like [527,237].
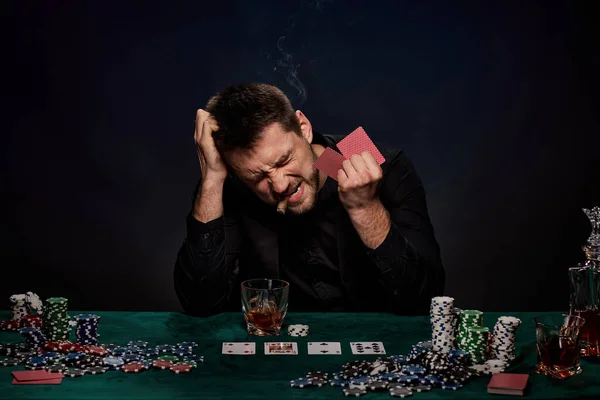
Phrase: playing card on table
[284,348]
[38,375]
[356,143]
[329,162]
[324,348]
[56,381]
[367,348]
[239,348]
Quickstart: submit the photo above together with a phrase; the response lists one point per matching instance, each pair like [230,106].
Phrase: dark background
[495,102]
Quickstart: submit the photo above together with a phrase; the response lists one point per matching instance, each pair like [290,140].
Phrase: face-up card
[42,382]
[356,143]
[239,348]
[367,348]
[329,162]
[37,375]
[283,348]
[324,348]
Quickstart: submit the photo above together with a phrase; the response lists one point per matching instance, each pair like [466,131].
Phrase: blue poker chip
[132,349]
[72,357]
[146,363]
[301,383]
[131,357]
[164,348]
[37,361]
[361,380]
[193,357]
[337,382]
[413,370]
[407,378]
[148,352]
[182,351]
[400,359]
[138,343]
[189,345]
[452,386]
[52,356]
[118,351]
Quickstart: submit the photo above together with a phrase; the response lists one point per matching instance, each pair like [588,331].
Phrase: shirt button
[206,235]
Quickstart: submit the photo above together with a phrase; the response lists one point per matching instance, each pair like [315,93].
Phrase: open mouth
[297,194]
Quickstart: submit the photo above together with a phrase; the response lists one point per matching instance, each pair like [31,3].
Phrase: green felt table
[267,377]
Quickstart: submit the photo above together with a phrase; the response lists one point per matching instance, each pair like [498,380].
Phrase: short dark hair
[244,110]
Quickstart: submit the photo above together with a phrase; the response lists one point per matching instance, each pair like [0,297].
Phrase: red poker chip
[181,368]
[52,346]
[162,364]
[95,350]
[76,347]
[133,366]
[10,325]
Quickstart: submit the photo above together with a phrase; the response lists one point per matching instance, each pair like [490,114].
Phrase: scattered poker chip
[96,370]
[37,361]
[138,343]
[317,374]
[189,345]
[194,357]
[133,367]
[319,382]
[181,368]
[113,363]
[400,392]
[52,356]
[35,367]
[55,368]
[162,364]
[301,383]
[421,388]
[194,364]
[452,386]
[168,358]
[74,372]
[182,351]
[377,385]
[164,348]
[338,382]
[131,357]
[354,392]
[149,352]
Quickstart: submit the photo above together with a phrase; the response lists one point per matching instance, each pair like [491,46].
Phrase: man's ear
[305,126]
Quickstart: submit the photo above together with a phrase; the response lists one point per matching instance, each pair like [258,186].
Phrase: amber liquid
[590,334]
[559,352]
[265,320]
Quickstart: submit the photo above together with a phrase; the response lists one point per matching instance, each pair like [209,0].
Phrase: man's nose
[279,183]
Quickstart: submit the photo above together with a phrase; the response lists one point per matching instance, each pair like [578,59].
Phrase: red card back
[356,143]
[509,381]
[329,162]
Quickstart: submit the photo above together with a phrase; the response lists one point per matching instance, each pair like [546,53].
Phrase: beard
[313,183]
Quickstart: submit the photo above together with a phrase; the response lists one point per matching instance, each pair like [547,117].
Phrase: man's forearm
[372,224]
[208,205]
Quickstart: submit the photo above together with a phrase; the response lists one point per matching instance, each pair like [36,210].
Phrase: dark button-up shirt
[319,253]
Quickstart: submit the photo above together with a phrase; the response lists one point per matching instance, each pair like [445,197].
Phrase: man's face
[279,166]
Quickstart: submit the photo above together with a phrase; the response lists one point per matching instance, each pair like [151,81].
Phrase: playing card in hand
[329,162]
[356,143]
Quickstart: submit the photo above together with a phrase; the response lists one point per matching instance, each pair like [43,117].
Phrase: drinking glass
[558,337]
[265,303]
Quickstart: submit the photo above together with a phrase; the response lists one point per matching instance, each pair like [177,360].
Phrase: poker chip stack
[18,306]
[472,336]
[443,324]
[55,320]
[503,341]
[298,330]
[86,331]
[34,304]
[31,321]
[34,338]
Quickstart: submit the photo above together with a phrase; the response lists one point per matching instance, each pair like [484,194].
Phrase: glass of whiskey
[558,339]
[264,303]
